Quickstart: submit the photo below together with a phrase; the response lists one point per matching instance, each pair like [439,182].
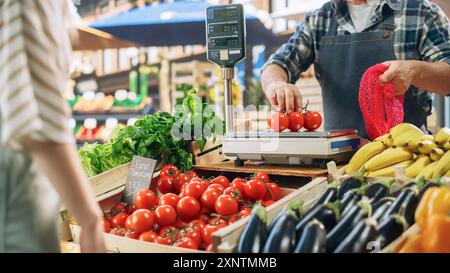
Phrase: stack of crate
[195,73]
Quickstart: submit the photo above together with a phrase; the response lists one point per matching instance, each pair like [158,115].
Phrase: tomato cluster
[190,208]
[295,121]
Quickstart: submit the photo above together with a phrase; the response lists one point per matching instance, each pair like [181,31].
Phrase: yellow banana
[442,136]
[447,174]
[406,137]
[413,143]
[426,146]
[446,146]
[414,169]
[427,172]
[389,171]
[386,139]
[402,128]
[436,154]
[363,155]
[387,158]
[442,166]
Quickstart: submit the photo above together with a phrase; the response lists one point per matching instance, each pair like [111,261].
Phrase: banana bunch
[405,146]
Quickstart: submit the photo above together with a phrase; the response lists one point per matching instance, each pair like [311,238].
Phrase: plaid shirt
[422,33]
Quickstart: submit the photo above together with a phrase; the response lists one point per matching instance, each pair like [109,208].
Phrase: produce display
[97,105]
[407,146]
[189,208]
[351,216]
[152,137]
[433,219]
[295,121]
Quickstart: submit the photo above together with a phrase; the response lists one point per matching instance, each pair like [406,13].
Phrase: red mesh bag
[380,108]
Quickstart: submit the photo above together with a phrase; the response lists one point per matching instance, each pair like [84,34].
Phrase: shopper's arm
[60,164]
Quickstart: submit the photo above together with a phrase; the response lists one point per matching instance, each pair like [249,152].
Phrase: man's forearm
[273,73]
[60,163]
[434,77]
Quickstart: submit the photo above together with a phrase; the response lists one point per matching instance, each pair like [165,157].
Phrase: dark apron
[342,62]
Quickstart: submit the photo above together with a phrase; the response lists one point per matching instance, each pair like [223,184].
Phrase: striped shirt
[34,67]
[422,33]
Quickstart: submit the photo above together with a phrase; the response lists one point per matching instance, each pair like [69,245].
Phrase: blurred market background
[137,57]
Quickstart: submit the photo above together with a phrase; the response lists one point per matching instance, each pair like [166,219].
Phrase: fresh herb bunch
[160,136]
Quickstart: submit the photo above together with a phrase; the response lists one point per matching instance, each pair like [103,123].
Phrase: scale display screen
[225,31]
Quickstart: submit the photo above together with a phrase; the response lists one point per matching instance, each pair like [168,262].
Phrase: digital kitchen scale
[226,46]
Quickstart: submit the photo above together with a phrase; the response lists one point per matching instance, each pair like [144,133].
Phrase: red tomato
[313,120]
[278,121]
[203,182]
[255,189]
[226,205]
[141,220]
[117,209]
[196,225]
[221,180]
[209,230]
[262,176]
[182,179]
[166,184]
[169,231]
[235,193]
[209,198]
[245,212]
[216,221]
[170,199]
[188,208]
[131,234]
[192,173]
[273,192]
[165,215]
[106,226]
[145,199]
[148,236]
[239,184]
[181,224]
[193,234]
[130,209]
[117,231]
[195,189]
[204,215]
[217,187]
[118,221]
[295,121]
[267,203]
[163,241]
[186,243]
[169,170]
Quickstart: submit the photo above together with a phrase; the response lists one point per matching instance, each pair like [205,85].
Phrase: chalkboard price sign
[139,177]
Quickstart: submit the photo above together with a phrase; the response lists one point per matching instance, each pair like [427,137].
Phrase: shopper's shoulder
[424,6]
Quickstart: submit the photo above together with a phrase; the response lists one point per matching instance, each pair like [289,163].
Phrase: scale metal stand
[226,44]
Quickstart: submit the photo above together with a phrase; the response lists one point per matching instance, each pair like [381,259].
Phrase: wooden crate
[226,239]
[109,187]
[211,153]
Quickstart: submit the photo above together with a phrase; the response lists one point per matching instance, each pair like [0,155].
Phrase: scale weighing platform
[226,46]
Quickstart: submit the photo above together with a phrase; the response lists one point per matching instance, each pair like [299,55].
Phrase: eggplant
[411,185]
[353,182]
[378,190]
[405,204]
[296,207]
[390,229]
[282,237]
[329,196]
[327,214]
[425,188]
[346,224]
[255,233]
[357,241]
[350,199]
[380,207]
[313,238]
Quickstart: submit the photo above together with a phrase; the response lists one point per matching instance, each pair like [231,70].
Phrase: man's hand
[284,95]
[401,74]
